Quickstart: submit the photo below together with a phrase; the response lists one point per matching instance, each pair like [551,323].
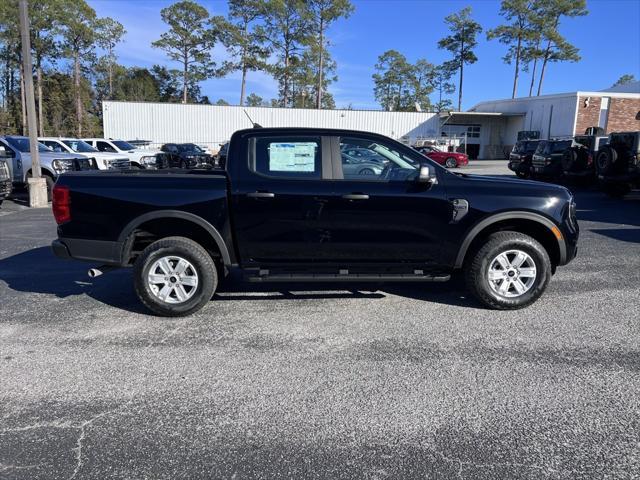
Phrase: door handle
[261,195]
[356,196]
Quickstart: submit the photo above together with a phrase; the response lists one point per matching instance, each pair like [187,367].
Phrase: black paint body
[307,224]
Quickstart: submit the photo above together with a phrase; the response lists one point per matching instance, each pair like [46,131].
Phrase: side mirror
[427,175]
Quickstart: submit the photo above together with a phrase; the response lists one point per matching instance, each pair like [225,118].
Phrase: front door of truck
[380,213]
[280,189]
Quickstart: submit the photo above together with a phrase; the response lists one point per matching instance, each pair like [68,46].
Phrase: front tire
[451,162]
[175,277]
[510,271]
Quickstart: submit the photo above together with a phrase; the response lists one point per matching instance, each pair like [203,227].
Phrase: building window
[604,113]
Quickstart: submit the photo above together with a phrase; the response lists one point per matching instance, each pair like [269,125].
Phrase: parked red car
[448,159]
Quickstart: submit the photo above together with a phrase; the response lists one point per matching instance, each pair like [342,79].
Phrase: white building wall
[213,124]
[552,115]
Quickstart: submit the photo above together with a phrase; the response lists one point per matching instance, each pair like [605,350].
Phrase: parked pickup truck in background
[17,150]
[139,157]
[5,180]
[104,160]
[285,209]
[184,155]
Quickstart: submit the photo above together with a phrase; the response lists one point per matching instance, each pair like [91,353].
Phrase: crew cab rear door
[280,187]
[380,213]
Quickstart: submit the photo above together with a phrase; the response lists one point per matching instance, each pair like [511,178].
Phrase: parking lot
[378,381]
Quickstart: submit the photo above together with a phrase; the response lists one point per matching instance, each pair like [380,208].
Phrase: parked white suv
[104,161]
[139,157]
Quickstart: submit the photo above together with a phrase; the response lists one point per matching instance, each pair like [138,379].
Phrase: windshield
[22,144]
[525,147]
[122,145]
[189,147]
[79,146]
[397,159]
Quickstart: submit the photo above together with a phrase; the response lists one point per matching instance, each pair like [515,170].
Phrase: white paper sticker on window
[292,157]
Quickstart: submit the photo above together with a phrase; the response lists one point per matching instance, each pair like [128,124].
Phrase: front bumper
[519,166]
[97,251]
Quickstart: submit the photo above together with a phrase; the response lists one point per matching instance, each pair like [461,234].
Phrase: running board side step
[264,276]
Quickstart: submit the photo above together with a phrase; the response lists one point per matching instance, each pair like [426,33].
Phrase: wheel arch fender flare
[512,215]
[190,217]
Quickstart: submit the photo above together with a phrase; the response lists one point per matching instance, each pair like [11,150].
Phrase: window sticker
[292,157]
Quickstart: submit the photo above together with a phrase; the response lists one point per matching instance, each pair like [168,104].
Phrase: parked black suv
[547,159]
[578,160]
[618,163]
[521,156]
[183,155]
[286,210]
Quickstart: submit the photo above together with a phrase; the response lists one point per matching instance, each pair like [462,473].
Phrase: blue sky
[608,39]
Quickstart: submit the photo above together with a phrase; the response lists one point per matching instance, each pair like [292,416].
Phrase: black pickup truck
[284,209]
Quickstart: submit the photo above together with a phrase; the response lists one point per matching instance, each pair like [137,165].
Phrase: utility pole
[37,185]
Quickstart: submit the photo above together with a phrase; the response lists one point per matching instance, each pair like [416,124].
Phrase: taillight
[590,160]
[61,204]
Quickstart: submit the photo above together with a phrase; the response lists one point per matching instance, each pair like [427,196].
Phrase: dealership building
[488,130]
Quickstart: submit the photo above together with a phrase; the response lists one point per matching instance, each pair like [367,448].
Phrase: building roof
[631,87]
[579,93]
[482,114]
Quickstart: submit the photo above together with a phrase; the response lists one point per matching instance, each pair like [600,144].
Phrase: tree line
[76,67]
[531,33]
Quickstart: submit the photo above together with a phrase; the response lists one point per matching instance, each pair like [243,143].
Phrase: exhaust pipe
[96,272]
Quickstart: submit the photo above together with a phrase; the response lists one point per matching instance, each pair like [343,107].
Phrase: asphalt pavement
[375,381]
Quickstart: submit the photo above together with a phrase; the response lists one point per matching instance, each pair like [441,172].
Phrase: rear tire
[185,289]
[484,264]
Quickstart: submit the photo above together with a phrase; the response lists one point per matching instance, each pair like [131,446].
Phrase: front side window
[382,162]
[22,144]
[286,157]
[105,147]
[55,146]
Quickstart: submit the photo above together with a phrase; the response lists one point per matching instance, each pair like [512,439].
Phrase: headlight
[149,162]
[62,165]
[4,172]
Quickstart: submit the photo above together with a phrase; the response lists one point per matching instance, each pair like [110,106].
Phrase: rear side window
[561,146]
[286,157]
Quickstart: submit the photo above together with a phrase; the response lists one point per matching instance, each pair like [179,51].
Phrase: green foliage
[221,102]
[516,34]
[399,85]
[254,100]
[546,44]
[323,13]
[461,43]
[624,80]
[188,42]
[443,85]
[286,32]
[243,39]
